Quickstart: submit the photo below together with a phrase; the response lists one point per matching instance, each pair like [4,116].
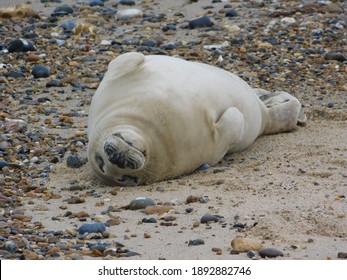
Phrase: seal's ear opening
[123,154]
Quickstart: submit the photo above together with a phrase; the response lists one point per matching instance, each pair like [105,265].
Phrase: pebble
[251,254]
[231,13]
[209,218]
[96,227]
[204,21]
[189,210]
[196,242]
[288,20]
[342,255]
[20,45]
[129,14]
[93,3]
[40,71]
[54,83]
[270,253]
[338,56]
[62,10]
[3,163]
[203,167]
[75,161]
[127,2]
[10,246]
[140,202]
[149,220]
[241,244]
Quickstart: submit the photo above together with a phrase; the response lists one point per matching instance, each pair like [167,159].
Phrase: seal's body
[157,117]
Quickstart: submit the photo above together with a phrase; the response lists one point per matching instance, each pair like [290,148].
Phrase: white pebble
[129,14]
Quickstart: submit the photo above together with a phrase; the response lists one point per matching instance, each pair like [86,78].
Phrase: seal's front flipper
[124,64]
[285,111]
[230,129]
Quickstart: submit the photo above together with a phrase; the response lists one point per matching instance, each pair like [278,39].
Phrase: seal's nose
[122,154]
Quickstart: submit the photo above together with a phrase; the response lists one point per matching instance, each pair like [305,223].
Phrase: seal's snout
[123,154]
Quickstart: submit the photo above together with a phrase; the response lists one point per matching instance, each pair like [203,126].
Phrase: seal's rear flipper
[285,111]
[124,64]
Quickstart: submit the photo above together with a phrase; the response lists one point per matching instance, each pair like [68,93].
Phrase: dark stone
[40,71]
[140,202]
[231,13]
[62,11]
[149,43]
[20,45]
[127,2]
[203,167]
[200,22]
[15,74]
[338,56]
[209,218]
[189,210]
[170,47]
[251,254]
[342,255]
[196,242]
[3,164]
[101,248]
[92,228]
[168,27]
[270,253]
[93,3]
[68,25]
[330,105]
[149,220]
[74,161]
[10,246]
[54,83]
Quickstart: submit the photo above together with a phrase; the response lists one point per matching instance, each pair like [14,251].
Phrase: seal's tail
[124,64]
[285,111]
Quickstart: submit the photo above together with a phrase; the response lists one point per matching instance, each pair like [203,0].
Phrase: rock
[189,210]
[270,253]
[288,20]
[62,10]
[157,209]
[342,255]
[127,2]
[196,242]
[169,27]
[54,83]
[200,22]
[68,25]
[15,74]
[203,167]
[251,254]
[40,71]
[96,227]
[338,56]
[149,220]
[20,45]
[129,14]
[93,3]
[74,161]
[209,218]
[231,13]
[10,246]
[3,163]
[241,244]
[20,10]
[140,202]
[149,43]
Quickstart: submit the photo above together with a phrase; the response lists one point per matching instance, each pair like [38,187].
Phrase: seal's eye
[100,162]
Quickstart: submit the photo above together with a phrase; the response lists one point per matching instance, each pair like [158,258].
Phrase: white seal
[157,117]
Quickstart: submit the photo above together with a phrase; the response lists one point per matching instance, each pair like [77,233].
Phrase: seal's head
[118,157]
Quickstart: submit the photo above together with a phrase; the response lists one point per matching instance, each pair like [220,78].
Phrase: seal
[157,117]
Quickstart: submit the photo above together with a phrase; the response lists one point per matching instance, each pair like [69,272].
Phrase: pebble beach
[283,198]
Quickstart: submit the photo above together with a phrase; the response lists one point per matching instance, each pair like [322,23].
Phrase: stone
[93,3]
[54,83]
[196,242]
[342,255]
[129,14]
[40,71]
[209,218]
[127,2]
[251,254]
[270,253]
[96,227]
[140,202]
[231,13]
[338,56]
[75,161]
[62,10]
[241,244]
[200,22]
[20,45]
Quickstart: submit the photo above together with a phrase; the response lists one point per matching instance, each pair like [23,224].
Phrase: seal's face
[119,157]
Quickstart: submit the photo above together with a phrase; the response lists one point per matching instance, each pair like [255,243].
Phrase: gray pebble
[251,254]
[209,218]
[140,202]
[74,161]
[10,246]
[270,253]
[20,45]
[200,22]
[40,71]
[196,242]
[92,228]
[3,164]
